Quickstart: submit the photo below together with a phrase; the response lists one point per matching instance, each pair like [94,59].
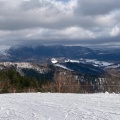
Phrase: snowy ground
[48,106]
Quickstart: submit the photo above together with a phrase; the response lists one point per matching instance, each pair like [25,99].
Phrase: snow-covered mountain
[74,58]
[85,62]
[46,53]
[29,69]
[44,68]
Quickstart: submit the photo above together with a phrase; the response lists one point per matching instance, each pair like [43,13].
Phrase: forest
[12,81]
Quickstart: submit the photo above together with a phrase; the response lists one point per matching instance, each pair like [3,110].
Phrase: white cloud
[77,33]
[115,31]
[105,20]
[55,20]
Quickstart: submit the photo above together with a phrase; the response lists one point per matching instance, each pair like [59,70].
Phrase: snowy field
[49,106]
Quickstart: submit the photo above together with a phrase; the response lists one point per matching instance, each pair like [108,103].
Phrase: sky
[93,23]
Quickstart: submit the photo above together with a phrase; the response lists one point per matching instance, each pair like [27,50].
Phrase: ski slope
[54,106]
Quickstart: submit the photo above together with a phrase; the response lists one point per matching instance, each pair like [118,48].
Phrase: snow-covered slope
[22,65]
[91,61]
[48,106]
[62,66]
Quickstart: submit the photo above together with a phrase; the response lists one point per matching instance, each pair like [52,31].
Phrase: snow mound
[49,106]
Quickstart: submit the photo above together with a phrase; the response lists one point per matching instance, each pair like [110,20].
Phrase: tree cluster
[12,81]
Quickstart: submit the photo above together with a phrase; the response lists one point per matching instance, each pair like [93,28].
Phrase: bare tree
[112,81]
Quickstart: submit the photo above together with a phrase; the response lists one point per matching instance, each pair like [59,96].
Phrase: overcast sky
[67,22]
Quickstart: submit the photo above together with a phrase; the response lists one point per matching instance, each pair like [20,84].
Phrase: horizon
[3,48]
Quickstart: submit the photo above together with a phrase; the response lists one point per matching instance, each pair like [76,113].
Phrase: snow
[113,66]
[53,60]
[4,52]
[91,61]
[54,106]
[72,61]
[22,65]
[62,66]
[17,64]
[99,63]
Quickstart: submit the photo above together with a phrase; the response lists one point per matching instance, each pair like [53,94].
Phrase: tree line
[12,81]
[58,81]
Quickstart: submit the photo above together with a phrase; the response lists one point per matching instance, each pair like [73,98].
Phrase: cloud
[115,31]
[59,21]
[97,7]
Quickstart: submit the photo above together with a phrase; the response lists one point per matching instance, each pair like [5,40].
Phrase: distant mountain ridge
[45,53]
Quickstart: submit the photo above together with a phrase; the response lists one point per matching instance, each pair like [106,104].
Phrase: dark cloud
[32,4]
[86,22]
[97,7]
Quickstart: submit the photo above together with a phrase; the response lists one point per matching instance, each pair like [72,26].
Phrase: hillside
[65,77]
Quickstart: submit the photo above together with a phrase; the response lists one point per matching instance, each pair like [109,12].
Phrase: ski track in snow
[54,106]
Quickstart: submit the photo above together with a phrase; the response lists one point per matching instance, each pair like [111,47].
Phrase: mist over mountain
[45,53]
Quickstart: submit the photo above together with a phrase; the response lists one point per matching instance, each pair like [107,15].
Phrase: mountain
[84,68]
[73,73]
[42,53]
[28,53]
[47,71]
[69,64]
